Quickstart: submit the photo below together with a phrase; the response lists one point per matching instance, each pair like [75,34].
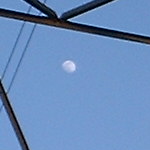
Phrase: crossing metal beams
[75,26]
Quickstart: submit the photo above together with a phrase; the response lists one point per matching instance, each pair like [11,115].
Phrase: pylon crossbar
[75,26]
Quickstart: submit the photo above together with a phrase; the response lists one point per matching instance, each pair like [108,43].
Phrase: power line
[4,96]
[1,107]
[14,47]
[22,56]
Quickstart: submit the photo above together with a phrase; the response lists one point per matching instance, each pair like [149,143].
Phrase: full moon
[69,66]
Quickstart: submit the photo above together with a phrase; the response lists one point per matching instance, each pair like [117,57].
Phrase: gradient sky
[104,105]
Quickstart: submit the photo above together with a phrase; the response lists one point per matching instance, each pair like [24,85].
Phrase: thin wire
[1,107]
[22,56]
[14,47]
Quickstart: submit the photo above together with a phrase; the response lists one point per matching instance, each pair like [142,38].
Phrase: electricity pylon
[51,19]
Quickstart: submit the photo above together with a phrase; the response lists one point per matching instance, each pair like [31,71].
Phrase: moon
[69,66]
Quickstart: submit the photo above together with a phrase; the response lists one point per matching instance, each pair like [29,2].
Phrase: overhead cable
[22,56]
[1,107]
[14,47]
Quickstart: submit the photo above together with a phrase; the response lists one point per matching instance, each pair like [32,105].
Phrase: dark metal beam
[75,26]
[42,7]
[84,8]
[13,118]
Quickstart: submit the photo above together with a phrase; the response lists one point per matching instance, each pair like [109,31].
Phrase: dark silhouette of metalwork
[42,7]
[84,8]
[13,118]
[56,22]
[51,19]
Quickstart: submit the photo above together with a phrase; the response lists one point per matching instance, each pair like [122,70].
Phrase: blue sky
[103,105]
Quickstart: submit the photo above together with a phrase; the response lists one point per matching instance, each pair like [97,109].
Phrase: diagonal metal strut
[75,26]
[84,8]
[13,118]
[42,7]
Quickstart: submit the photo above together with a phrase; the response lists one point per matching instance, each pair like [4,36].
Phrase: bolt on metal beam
[83,9]
[12,117]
